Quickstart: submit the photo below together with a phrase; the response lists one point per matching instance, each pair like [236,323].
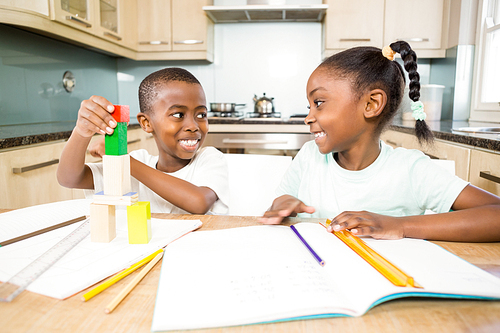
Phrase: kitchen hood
[266,13]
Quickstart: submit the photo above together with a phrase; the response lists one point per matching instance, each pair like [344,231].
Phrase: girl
[367,186]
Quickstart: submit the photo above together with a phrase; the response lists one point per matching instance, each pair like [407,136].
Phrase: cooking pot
[263,105]
[224,107]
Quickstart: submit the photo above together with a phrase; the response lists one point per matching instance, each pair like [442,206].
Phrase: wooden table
[31,312]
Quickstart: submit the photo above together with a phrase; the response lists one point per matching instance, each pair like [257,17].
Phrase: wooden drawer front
[485,171]
[28,176]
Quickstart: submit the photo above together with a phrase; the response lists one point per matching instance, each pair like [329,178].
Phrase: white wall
[249,58]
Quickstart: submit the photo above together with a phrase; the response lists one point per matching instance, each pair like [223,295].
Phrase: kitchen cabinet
[174,30]
[112,20]
[438,150]
[354,23]
[28,176]
[36,6]
[423,23]
[485,170]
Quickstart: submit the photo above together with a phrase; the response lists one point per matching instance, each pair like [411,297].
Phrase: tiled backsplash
[31,72]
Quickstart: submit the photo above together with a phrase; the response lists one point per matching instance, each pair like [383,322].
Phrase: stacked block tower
[117,190]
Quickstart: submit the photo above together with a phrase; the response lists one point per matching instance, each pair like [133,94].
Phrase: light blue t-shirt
[401,182]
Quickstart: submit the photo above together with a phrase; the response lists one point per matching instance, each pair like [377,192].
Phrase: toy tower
[117,190]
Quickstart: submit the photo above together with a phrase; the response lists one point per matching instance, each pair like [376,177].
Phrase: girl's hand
[285,206]
[368,224]
[94,117]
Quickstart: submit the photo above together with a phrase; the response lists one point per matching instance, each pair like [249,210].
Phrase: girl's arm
[284,206]
[476,218]
[183,194]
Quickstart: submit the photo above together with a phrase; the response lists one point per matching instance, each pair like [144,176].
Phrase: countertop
[12,137]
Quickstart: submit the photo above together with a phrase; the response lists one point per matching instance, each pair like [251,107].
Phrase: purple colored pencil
[318,259]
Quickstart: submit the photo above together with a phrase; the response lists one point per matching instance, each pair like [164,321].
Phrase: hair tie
[418,110]
[388,53]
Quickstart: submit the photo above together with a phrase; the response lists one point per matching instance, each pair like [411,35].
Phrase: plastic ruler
[10,289]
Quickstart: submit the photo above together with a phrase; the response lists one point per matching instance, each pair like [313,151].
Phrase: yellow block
[139,222]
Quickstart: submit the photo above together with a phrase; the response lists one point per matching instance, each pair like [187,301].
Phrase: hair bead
[388,52]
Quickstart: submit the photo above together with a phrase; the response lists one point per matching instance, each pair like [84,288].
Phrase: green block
[116,143]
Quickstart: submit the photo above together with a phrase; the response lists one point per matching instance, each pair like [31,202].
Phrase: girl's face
[336,114]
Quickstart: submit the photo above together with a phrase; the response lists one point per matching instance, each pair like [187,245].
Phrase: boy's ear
[143,120]
[376,101]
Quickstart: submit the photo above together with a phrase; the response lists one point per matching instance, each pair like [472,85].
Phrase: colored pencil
[318,259]
[41,231]
[114,303]
[384,266]
[112,280]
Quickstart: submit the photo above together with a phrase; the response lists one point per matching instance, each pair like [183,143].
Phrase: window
[486,94]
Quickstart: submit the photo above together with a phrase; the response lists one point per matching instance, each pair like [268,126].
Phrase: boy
[183,178]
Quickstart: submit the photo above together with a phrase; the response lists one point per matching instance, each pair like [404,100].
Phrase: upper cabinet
[135,29]
[354,23]
[174,30]
[422,23]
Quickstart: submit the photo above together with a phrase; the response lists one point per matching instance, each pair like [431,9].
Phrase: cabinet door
[192,30]
[154,21]
[419,22]
[79,14]
[38,6]
[354,23]
[117,21]
[485,171]
[28,176]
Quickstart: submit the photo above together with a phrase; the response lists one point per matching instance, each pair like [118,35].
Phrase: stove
[224,115]
[263,115]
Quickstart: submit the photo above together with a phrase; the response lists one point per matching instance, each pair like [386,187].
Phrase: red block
[121,113]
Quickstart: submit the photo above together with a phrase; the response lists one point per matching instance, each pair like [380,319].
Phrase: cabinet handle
[433,157]
[133,141]
[355,39]
[34,166]
[153,42]
[414,39]
[188,41]
[392,143]
[78,20]
[109,34]
[489,176]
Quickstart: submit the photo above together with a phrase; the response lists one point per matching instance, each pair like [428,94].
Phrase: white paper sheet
[87,263]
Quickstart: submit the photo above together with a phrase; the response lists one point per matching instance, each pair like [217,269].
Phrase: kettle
[263,105]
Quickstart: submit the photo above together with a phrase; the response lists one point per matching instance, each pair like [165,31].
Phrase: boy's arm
[93,117]
[476,218]
[181,193]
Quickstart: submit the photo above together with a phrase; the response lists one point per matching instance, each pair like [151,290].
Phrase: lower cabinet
[485,171]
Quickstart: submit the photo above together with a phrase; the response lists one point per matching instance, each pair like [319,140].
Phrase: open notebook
[87,263]
[263,273]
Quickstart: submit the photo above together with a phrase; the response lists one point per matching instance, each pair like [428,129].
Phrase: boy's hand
[94,117]
[368,224]
[98,148]
[285,206]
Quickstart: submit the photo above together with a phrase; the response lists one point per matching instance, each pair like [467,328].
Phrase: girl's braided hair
[367,69]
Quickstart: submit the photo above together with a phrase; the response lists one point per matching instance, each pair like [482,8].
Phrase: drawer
[285,141]
[485,171]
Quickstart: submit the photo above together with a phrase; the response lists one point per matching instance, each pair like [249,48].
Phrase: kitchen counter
[22,135]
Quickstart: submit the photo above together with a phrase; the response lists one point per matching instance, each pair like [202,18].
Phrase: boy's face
[335,116]
[179,119]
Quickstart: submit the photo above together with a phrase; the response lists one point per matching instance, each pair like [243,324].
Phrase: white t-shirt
[207,168]
[400,182]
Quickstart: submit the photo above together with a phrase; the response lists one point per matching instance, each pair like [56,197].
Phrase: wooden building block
[116,200]
[139,223]
[116,143]
[102,223]
[116,174]
[121,113]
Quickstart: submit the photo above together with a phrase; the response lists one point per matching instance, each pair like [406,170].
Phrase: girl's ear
[376,101]
[143,120]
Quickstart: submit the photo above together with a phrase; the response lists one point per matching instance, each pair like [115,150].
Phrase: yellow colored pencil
[112,280]
[384,266]
[114,303]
